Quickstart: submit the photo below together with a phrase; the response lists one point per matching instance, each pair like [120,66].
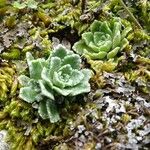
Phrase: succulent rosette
[104,40]
[60,74]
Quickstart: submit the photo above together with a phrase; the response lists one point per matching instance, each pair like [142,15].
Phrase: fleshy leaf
[29,57]
[24,80]
[80,46]
[95,26]
[65,70]
[74,60]
[116,39]
[34,84]
[62,91]
[46,90]
[99,55]
[116,27]
[113,53]
[60,51]
[57,81]
[43,110]
[55,64]
[84,86]
[106,46]
[75,78]
[87,37]
[46,76]
[36,67]
[94,47]
[28,94]
[98,37]
[105,28]
[61,77]
[52,111]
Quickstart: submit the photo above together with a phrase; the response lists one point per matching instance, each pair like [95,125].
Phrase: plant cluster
[60,74]
[118,101]
[104,40]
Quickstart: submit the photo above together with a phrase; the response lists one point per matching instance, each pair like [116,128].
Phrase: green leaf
[34,84]
[95,26]
[24,80]
[75,78]
[65,70]
[60,51]
[42,110]
[55,64]
[98,37]
[39,97]
[62,76]
[47,109]
[28,94]
[106,46]
[99,55]
[105,28]
[74,60]
[52,111]
[113,53]
[36,67]
[57,81]
[47,73]
[80,46]
[29,57]
[87,37]
[82,87]
[116,29]
[46,76]
[46,90]
[62,91]
[94,47]
[116,39]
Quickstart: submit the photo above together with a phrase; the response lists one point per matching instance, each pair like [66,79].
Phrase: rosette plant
[60,74]
[104,40]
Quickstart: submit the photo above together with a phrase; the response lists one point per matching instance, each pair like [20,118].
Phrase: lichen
[115,114]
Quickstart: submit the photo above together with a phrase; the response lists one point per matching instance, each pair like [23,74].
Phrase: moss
[104,118]
[7,77]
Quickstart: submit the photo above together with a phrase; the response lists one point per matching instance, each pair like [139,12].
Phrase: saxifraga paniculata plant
[60,74]
[104,40]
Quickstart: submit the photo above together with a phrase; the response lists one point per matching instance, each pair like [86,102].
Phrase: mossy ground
[114,115]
